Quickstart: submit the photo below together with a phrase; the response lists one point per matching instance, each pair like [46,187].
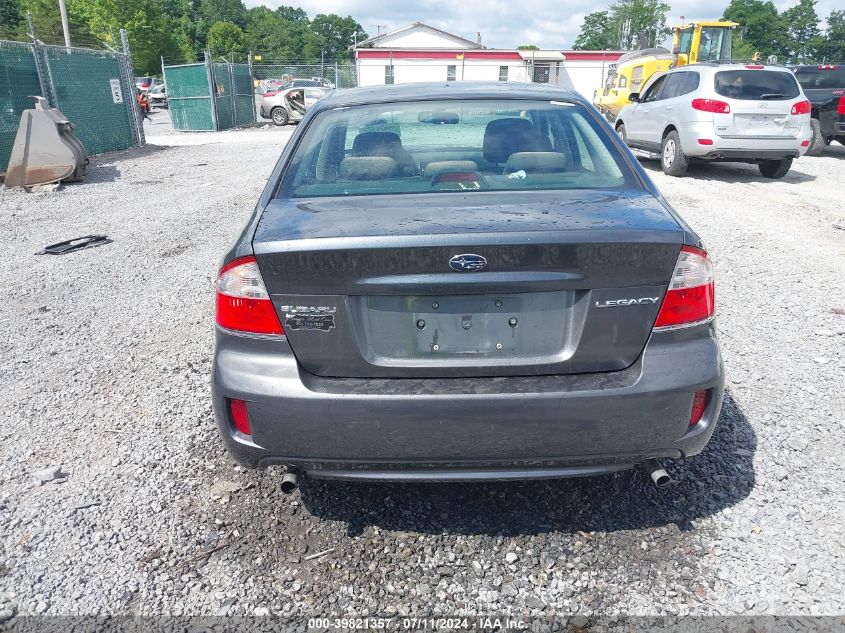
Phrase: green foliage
[225,38]
[233,11]
[596,33]
[634,17]
[802,27]
[622,26]
[528,47]
[832,45]
[292,14]
[11,17]
[761,28]
[337,34]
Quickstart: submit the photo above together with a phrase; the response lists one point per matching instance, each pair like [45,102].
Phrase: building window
[451,72]
[503,73]
[388,74]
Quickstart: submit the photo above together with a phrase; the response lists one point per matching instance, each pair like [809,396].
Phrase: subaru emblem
[467,263]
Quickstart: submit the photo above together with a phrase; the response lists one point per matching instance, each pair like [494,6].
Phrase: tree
[232,11]
[225,38]
[802,27]
[337,34]
[832,47]
[622,26]
[761,28]
[597,32]
[528,47]
[292,14]
[11,18]
[631,18]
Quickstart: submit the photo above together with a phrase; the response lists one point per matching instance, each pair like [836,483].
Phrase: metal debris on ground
[75,244]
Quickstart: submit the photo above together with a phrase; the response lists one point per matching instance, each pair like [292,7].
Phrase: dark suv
[824,86]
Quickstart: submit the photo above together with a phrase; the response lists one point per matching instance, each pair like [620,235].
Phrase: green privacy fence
[18,81]
[209,96]
[94,89]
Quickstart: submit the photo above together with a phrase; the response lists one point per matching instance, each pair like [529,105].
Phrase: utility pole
[379,27]
[65,28]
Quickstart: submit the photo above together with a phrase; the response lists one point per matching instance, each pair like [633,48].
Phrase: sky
[552,24]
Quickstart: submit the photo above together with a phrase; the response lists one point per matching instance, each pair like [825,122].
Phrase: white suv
[726,112]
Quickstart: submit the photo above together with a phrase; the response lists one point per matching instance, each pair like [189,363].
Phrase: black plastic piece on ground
[75,244]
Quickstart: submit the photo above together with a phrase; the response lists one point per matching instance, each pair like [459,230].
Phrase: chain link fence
[209,96]
[338,74]
[94,89]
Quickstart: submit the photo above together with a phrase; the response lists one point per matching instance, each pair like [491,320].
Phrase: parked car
[496,292]
[145,83]
[305,83]
[157,96]
[824,85]
[269,85]
[720,112]
[289,105]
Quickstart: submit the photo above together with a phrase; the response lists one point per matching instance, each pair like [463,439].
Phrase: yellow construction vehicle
[691,43]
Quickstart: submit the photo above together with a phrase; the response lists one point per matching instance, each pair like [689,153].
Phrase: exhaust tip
[290,481]
[658,475]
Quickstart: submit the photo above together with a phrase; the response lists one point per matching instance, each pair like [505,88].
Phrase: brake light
[699,404]
[755,67]
[840,109]
[802,107]
[827,67]
[705,141]
[711,105]
[239,416]
[271,93]
[243,304]
[690,298]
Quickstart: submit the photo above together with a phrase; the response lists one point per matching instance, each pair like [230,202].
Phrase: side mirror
[634,97]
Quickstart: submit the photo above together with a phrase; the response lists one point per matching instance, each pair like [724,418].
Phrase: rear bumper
[741,149]
[467,428]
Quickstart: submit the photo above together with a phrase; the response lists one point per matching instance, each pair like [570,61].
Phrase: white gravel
[104,367]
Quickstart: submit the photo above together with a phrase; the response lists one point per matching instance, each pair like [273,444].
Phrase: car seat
[373,144]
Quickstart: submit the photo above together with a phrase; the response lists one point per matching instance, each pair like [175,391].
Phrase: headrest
[375,143]
[503,137]
[438,167]
[536,162]
[367,167]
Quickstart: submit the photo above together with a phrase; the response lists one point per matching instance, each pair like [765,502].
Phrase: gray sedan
[463,282]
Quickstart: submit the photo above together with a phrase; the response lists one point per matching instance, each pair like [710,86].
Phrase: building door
[541,73]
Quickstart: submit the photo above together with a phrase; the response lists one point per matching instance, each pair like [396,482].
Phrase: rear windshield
[754,85]
[469,145]
[821,78]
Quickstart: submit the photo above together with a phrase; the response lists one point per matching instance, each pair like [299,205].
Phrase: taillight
[755,67]
[705,141]
[840,109]
[711,105]
[699,404]
[239,416]
[802,107]
[271,93]
[690,298]
[243,304]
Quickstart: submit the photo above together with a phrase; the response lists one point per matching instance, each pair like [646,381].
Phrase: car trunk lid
[392,286]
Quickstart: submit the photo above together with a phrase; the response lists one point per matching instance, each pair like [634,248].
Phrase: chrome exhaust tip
[290,481]
[659,477]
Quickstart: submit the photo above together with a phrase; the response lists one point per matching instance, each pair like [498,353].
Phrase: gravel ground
[105,365]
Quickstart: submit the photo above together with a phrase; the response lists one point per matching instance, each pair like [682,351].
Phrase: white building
[419,52]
